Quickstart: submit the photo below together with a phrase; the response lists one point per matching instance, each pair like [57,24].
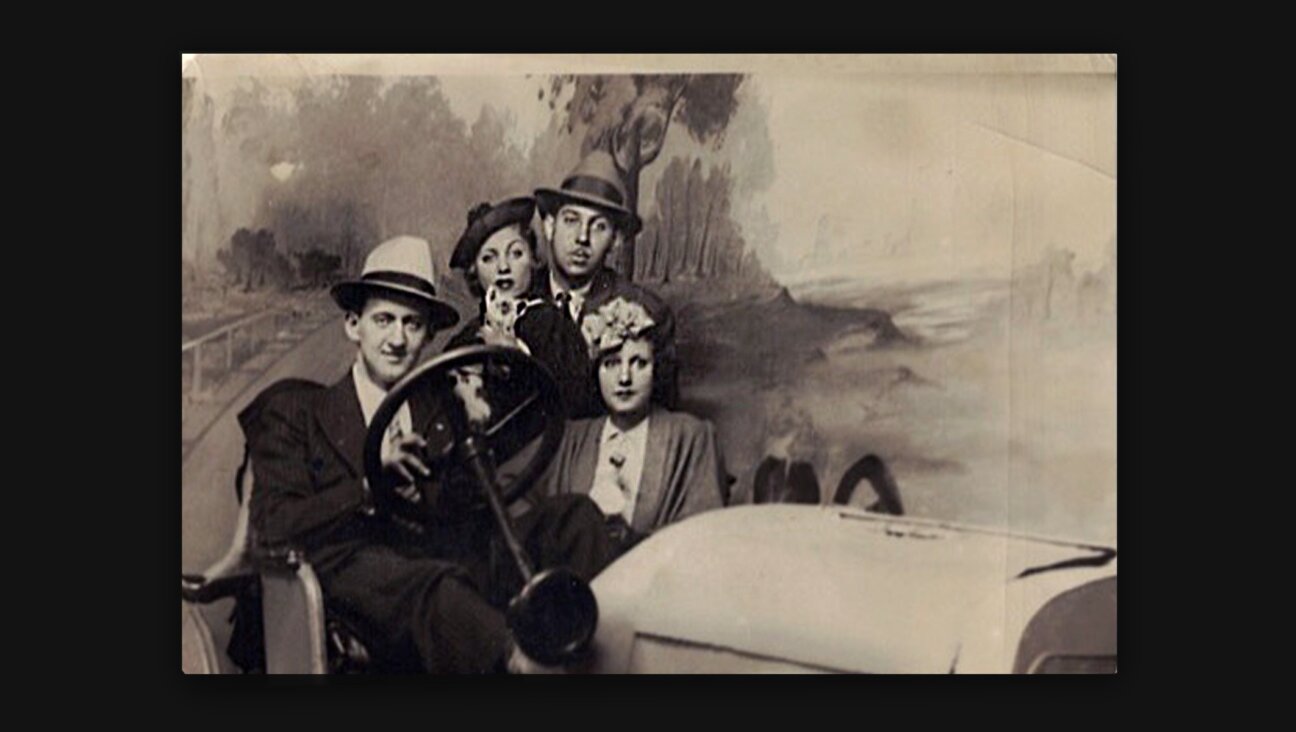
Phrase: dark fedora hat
[595,182]
[402,265]
[485,220]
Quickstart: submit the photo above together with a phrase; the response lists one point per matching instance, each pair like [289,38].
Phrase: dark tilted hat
[595,182]
[402,265]
[485,220]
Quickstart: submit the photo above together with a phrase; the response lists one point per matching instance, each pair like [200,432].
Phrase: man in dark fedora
[584,219]
[430,600]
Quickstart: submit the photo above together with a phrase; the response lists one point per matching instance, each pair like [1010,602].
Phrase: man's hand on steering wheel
[458,375]
[401,456]
[554,617]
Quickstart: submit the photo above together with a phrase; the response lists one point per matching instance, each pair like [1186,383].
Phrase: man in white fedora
[432,602]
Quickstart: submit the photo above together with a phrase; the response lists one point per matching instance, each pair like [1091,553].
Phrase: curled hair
[665,370]
[665,390]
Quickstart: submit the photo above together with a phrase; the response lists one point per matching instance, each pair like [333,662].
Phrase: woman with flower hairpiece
[643,464]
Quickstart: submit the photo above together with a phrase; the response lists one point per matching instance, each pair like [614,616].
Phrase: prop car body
[796,588]
[773,588]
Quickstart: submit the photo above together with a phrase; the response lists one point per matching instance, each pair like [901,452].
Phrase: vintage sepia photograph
[663,364]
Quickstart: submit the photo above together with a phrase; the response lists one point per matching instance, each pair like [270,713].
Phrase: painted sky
[882,167]
[903,174]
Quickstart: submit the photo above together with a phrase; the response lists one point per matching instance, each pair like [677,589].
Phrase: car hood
[794,587]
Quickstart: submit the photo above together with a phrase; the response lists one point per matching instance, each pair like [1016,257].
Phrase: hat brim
[549,200]
[351,295]
[515,211]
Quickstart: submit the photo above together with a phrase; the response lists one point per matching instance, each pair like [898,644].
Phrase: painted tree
[692,233]
[376,159]
[317,267]
[254,261]
[630,116]
[237,258]
[203,203]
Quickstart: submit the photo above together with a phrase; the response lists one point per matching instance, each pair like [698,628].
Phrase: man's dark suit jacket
[309,463]
[555,342]
[416,599]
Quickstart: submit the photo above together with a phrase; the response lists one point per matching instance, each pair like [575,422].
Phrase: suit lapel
[342,421]
[648,504]
[586,452]
[343,424]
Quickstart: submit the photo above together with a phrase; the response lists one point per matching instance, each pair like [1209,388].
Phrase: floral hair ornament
[615,322]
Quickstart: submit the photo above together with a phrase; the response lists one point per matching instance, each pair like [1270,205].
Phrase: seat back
[237,559]
[279,620]
[292,604]
[232,574]
[292,615]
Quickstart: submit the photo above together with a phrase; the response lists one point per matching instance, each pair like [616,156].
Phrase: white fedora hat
[403,265]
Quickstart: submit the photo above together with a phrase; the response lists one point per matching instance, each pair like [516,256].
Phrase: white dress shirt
[371,395]
[577,296]
[619,469]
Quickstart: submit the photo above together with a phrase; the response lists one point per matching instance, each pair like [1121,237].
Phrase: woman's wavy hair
[665,392]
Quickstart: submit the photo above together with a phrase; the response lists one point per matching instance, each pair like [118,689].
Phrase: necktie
[564,302]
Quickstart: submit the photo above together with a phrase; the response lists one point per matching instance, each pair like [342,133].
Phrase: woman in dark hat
[497,256]
[643,464]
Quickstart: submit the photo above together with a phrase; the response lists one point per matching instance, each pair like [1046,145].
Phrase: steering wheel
[539,400]
[554,617]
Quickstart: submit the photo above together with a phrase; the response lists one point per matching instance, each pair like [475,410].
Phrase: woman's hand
[469,388]
[497,337]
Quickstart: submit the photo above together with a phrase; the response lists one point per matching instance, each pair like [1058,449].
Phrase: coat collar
[648,504]
[603,280]
[342,421]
